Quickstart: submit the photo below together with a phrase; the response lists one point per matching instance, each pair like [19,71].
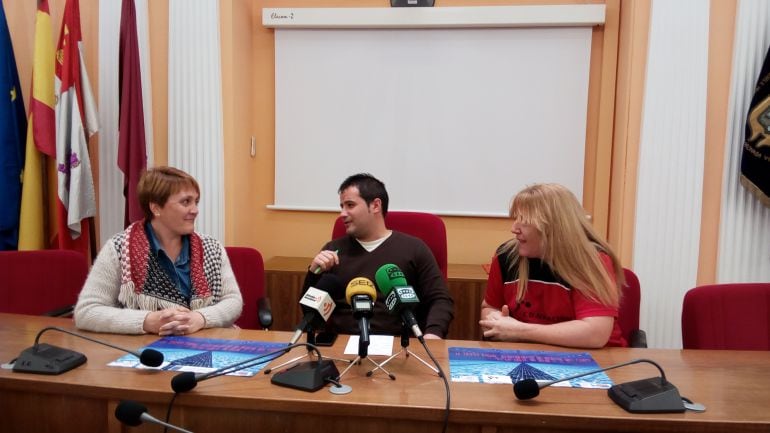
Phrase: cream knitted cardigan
[100,309]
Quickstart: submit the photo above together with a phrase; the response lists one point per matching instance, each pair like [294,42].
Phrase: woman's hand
[590,332]
[174,321]
[499,325]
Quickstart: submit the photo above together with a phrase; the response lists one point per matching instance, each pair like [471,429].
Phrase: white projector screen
[454,121]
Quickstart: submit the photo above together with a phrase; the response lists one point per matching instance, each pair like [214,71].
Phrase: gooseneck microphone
[360,294]
[654,394]
[188,380]
[132,414]
[44,358]
[318,304]
[400,297]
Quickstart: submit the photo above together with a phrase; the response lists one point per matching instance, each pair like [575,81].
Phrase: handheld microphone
[132,414]
[654,394]
[400,298]
[44,358]
[317,304]
[360,294]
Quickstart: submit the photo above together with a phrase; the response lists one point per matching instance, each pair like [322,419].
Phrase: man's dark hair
[369,187]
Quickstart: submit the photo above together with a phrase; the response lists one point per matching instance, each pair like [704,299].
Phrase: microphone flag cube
[319,301]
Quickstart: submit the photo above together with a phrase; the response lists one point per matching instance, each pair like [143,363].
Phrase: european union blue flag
[13,130]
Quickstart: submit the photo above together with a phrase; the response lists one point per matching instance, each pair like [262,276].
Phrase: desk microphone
[44,358]
[400,298]
[188,380]
[654,394]
[132,414]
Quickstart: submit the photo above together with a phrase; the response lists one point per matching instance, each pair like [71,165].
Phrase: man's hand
[324,261]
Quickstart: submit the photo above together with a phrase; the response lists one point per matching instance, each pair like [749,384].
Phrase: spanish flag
[755,160]
[75,123]
[41,137]
[12,131]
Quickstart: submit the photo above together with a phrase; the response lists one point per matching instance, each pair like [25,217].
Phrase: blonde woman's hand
[500,326]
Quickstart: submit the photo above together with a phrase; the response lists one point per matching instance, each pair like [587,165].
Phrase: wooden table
[733,385]
[285,276]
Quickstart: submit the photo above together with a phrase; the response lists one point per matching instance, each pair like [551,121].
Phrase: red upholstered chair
[249,270]
[628,313]
[425,226]
[42,282]
[727,316]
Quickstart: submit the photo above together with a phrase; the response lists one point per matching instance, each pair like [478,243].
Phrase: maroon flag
[132,152]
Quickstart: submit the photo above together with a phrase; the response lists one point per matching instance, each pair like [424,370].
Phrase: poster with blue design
[202,355]
[509,366]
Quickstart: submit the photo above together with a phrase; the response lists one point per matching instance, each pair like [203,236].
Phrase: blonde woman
[556,282]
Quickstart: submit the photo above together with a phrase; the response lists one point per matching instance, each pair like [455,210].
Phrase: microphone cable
[446,383]
[85,337]
[168,411]
[248,364]
[261,359]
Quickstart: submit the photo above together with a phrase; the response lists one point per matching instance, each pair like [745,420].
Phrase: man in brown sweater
[367,246]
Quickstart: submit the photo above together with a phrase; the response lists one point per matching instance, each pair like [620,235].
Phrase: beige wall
[615,108]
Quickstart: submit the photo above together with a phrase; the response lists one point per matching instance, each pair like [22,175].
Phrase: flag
[132,153]
[75,122]
[13,125]
[41,136]
[755,159]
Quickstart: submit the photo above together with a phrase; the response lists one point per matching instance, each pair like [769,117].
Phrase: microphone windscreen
[130,412]
[331,284]
[526,389]
[389,276]
[360,286]
[184,382]
[151,358]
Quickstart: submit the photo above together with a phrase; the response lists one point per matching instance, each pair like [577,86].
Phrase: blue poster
[510,366]
[202,355]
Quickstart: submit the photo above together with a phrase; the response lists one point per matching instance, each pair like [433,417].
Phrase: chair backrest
[249,270]
[41,281]
[727,316]
[426,226]
[628,313]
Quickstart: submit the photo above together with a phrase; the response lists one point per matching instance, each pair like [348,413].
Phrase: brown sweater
[415,259]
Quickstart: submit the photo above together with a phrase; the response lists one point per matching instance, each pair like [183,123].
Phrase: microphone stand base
[408,353]
[647,396]
[47,359]
[307,376]
[368,374]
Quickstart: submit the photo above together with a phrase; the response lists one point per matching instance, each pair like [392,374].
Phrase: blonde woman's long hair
[570,243]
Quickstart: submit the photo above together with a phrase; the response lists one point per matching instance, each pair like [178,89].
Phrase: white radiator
[195,136]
